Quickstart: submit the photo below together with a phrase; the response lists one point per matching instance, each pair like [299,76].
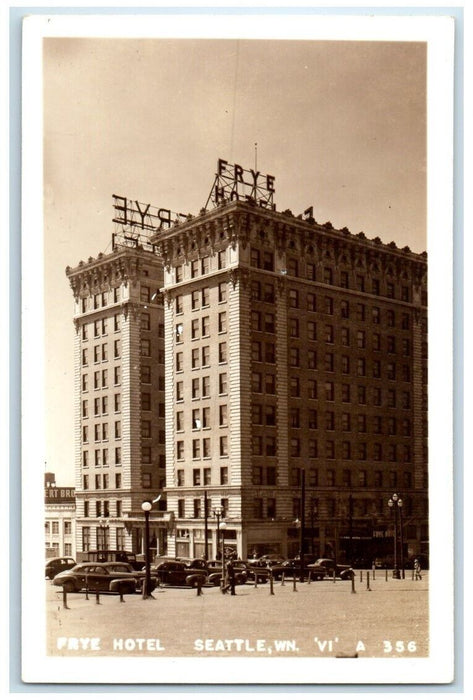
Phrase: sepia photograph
[241,336]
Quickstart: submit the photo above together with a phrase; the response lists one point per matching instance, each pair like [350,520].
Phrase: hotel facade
[262,374]
[296,367]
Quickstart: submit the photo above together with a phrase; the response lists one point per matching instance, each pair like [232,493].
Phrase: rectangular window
[376,396]
[179,391]
[180,449]
[222,415]
[311,271]
[312,359]
[269,323]
[179,421]
[294,387]
[195,328]
[268,260]
[256,382]
[344,279]
[312,419]
[346,422]
[293,299]
[205,387]
[329,362]
[180,361]
[195,388]
[222,292]
[145,401]
[224,475]
[222,352]
[312,330]
[312,388]
[313,449]
[270,384]
[255,321]
[146,374]
[223,446]
[118,455]
[268,295]
[222,383]
[205,326]
[222,322]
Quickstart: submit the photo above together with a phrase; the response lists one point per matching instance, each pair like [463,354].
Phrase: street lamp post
[223,525]
[218,513]
[313,513]
[146,507]
[302,525]
[400,504]
[206,527]
[394,504]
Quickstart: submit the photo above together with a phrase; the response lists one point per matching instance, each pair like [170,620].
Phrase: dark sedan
[116,577]
[292,567]
[179,573]
[57,564]
[343,571]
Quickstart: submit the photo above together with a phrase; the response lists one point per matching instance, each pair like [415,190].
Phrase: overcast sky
[340,125]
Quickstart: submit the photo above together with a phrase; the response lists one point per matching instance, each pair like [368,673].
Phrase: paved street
[321,619]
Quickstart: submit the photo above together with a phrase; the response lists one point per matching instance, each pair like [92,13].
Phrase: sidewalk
[320,619]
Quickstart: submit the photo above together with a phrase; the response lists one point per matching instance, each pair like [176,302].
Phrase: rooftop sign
[135,222]
[235,183]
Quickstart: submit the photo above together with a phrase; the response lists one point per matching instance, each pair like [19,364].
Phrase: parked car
[291,566]
[343,571]
[118,577]
[108,555]
[179,573]
[58,564]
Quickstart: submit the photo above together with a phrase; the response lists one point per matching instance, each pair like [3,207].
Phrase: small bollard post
[282,579]
[199,587]
[271,588]
[294,584]
[122,599]
[374,571]
[386,574]
[353,584]
[256,580]
[368,581]
[309,576]
[64,598]
[361,576]
[334,575]
[86,593]
[97,598]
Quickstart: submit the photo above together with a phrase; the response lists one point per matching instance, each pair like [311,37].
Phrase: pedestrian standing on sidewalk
[231,577]
[417,570]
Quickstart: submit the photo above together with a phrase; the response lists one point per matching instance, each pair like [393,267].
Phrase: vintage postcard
[237,349]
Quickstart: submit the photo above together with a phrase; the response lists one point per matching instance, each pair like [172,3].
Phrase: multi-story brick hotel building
[119,397]
[295,359]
